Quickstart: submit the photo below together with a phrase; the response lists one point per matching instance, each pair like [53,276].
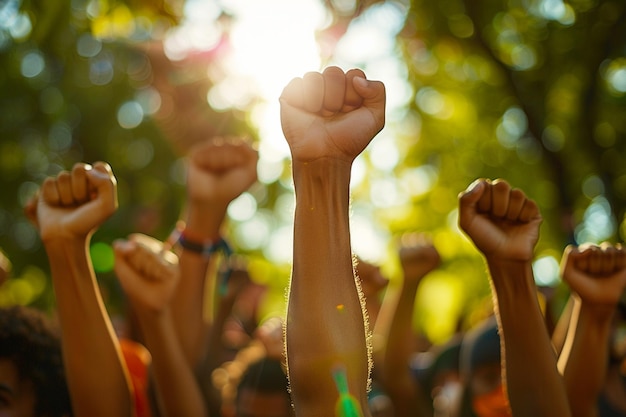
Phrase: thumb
[125,273]
[373,92]
[472,193]
[100,173]
[102,183]
[468,200]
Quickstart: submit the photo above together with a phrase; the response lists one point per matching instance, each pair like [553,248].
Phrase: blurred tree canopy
[533,91]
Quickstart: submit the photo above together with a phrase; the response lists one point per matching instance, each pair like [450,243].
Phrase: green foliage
[526,91]
[531,91]
[67,96]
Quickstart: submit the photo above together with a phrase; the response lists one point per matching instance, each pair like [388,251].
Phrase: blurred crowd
[193,343]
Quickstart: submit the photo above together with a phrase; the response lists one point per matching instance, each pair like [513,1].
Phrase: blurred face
[488,396]
[17,396]
[252,403]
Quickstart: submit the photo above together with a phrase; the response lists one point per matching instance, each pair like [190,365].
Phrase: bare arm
[149,276]
[504,225]
[418,257]
[218,172]
[328,119]
[597,278]
[70,208]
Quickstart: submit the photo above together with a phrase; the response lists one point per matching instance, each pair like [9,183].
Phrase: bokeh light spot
[254,233]
[243,207]
[21,292]
[553,138]
[149,99]
[130,115]
[280,247]
[102,257]
[384,154]
[592,187]
[101,71]
[32,64]
[546,271]
[21,27]
[60,137]
[87,46]
[523,57]
[617,79]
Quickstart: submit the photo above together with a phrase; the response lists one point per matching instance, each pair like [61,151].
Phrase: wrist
[600,313]
[67,243]
[198,244]
[323,173]
[205,220]
[204,249]
[512,277]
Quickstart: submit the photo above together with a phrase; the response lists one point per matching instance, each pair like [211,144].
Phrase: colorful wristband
[206,249]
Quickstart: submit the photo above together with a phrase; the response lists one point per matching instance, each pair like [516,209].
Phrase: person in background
[418,257]
[218,171]
[503,223]
[254,383]
[67,211]
[441,377]
[612,399]
[149,274]
[483,393]
[32,377]
[596,275]
[328,118]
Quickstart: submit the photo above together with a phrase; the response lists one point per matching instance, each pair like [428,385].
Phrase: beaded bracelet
[206,249]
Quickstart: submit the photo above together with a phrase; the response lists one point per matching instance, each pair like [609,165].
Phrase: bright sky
[272,42]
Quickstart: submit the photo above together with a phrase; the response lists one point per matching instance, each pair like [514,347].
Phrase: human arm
[218,171]
[149,276]
[418,257]
[70,207]
[504,225]
[328,119]
[596,276]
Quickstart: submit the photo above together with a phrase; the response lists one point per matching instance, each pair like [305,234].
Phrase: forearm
[559,335]
[399,382]
[325,327]
[176,385]
[533,383]
[399,345]
[188,305]
[584,359]
[213,353]
[91,352]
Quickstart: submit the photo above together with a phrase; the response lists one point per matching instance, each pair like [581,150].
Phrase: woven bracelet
[208,248]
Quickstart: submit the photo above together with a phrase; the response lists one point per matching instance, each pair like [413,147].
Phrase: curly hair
[31,341]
